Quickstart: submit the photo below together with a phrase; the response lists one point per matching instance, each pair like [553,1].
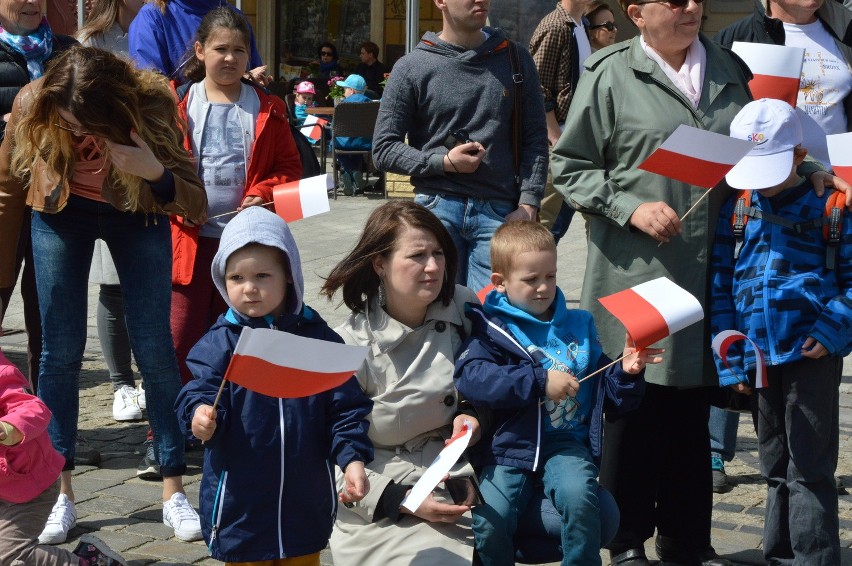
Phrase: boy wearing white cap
[782,275]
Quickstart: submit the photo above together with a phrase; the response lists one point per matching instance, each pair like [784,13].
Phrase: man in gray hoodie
[452,97]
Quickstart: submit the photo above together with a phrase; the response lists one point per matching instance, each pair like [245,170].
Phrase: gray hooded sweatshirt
[440,87]
[257,225]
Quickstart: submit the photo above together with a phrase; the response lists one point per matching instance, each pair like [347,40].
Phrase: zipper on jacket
[281,484]
[217,508]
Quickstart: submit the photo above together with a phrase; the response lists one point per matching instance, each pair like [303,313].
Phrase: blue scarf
[35,47]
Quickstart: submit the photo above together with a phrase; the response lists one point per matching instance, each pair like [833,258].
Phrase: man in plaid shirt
[559,45]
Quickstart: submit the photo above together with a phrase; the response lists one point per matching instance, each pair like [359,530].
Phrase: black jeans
[656,462]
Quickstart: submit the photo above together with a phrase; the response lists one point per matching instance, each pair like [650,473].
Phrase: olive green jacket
[623,110]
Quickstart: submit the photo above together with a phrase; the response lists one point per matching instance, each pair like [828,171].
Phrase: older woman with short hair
[631,98]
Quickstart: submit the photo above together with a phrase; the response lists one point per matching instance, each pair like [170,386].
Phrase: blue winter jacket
[779,291]
[494,371]
[268,486]
[161,41]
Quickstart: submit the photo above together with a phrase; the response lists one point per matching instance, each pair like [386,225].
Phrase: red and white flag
[280,364]
[696,156]
[722,342]
[653,310]
[301,199]
[776,69]
[840,154]
[312,127]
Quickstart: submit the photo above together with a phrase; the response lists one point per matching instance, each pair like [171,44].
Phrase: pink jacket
[31,466]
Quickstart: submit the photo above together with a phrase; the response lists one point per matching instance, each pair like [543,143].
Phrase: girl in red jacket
[242,143]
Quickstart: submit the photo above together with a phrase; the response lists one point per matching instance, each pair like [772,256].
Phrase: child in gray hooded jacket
[267,489]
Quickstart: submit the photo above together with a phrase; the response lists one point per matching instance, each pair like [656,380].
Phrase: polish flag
[301,199]
[776,69]
[720,346]
[280,364]
[696,156]
[653,310]
[312,127]
[840,154]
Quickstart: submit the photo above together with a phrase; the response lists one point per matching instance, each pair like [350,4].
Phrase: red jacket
[274,160]
[32,465]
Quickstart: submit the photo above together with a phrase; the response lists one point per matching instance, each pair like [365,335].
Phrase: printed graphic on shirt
[565,414]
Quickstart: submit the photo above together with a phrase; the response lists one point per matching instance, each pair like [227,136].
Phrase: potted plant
[335,91]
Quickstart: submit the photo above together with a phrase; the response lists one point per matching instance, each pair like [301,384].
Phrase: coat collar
[385,333]
[716,77]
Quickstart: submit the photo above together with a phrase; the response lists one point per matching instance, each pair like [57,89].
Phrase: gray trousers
[20,525]
[798,434]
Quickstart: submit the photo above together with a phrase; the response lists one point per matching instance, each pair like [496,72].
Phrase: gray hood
[257,225]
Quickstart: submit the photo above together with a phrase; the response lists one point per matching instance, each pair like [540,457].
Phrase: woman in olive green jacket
[656,459]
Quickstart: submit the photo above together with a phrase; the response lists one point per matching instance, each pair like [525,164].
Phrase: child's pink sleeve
[24,411]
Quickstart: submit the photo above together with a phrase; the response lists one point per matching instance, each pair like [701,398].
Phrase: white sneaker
[140,397]
[63,518]
[125,406]
[179,514]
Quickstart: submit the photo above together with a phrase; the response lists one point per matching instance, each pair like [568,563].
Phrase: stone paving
[126,512]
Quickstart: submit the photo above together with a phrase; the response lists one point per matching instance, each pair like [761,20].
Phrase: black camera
[456,137]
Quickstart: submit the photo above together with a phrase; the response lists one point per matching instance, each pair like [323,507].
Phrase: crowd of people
[149,152]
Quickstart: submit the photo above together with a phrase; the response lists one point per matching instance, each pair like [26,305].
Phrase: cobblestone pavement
[126,512]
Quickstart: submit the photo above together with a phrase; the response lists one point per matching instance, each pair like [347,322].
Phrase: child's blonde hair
[516,237]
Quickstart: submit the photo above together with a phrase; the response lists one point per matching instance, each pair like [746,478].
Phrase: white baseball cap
[774,127]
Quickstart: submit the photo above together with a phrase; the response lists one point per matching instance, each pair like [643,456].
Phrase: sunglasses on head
[609,26]
[670,3]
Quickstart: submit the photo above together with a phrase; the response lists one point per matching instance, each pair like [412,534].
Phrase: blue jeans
[723,433]
[471,223]
[570,483]
[798,440]
[141,248]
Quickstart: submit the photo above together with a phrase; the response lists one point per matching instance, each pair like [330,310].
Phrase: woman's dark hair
[222,17]
[329,45]
[355,273]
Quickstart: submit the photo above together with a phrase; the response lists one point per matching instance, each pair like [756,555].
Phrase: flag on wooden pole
[300,199]
[653,310]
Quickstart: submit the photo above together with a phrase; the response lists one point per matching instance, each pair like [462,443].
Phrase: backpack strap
[831,231]
[739,219]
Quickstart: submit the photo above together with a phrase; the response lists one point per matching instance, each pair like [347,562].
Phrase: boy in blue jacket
[782,284]
[268,486]
[523,361]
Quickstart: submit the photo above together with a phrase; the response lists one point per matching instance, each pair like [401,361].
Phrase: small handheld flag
[300,199]
[280,364]
[722,342]
[436,471]
[840,154]
[653,310]
[776,69]
[312,127]
[696,156]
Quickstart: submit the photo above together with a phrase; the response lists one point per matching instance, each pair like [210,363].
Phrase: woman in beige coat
[398,282]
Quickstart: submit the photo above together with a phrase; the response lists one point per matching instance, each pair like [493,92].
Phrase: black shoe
[631,557]
[720,478]
[149,468]
[670,551]
[838,483]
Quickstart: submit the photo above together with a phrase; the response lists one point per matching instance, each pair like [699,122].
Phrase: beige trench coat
[409,375]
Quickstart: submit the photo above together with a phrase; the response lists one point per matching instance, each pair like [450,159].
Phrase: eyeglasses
[609,26]
[670,3]
[74,130]
[326,53]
